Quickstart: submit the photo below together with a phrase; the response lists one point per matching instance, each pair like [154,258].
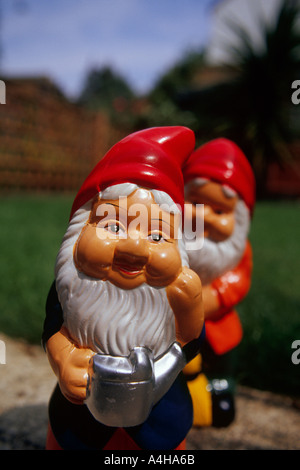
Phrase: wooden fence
[46,142]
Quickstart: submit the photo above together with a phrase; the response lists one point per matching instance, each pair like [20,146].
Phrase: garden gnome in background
[219,176]
[125,313]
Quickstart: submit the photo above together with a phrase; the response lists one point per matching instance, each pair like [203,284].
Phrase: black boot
[223,407]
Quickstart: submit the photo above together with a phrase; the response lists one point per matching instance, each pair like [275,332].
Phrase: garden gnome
[219,176]
[125,313]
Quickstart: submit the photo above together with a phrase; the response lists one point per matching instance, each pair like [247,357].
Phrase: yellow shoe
[193,367]
[202,401]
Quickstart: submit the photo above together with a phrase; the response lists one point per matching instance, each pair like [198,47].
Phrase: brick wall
[46,142]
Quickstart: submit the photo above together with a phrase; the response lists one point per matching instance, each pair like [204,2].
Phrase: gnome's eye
[114,228]
[156,237]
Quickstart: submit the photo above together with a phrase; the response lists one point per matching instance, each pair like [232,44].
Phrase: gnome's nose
[132,252]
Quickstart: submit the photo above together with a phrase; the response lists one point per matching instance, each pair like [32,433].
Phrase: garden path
[264,421]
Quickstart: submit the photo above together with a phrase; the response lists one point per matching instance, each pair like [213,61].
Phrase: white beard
[104,317]
[216,258]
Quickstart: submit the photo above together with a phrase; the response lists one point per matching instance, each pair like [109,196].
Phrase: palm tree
[254,108]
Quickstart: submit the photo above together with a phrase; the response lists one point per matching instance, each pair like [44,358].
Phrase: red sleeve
[226,332]
[234,285]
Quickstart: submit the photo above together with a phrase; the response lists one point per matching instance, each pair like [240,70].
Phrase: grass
[270,313]
[31,231]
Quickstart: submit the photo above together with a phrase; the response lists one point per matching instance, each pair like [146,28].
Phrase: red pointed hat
[152,158]
[221,160]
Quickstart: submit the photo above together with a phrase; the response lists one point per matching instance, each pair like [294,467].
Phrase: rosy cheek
[226,225]
[92,255]
[219,227]
[163,266]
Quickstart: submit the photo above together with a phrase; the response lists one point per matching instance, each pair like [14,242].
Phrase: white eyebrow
[228,191]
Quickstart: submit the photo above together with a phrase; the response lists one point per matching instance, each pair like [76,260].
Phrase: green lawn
[271,311]
[31,231]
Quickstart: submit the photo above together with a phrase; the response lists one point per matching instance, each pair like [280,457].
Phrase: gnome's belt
[123,390]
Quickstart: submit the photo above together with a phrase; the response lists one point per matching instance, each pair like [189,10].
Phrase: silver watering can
[123,389]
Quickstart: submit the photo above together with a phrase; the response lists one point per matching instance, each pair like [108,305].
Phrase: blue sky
[140,39]
[62,39]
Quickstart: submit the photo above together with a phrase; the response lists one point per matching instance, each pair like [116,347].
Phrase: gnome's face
[129,241]
[226,226]
[219,209]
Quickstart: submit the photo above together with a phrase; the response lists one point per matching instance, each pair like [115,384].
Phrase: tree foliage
[102,88]
[163,109]
[254,108]
[107,91]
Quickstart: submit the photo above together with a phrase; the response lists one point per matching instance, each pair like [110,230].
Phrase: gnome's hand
[212,305]
[70,364]
[185,298]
